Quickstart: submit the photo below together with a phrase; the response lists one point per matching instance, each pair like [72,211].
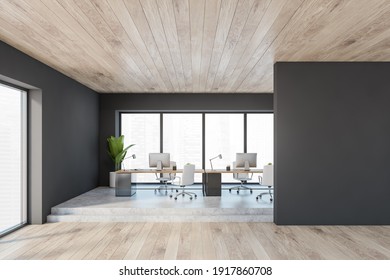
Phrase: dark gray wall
[110,103]
[70,114]
[332,143]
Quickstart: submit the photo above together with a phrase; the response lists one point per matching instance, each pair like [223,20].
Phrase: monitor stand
[246,166]
[159,165]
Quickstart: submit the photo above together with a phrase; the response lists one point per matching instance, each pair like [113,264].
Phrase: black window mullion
[203,140]
[120,123]
[161,133]
[245,133]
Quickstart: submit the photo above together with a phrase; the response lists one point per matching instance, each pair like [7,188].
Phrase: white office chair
[186,179]
[267,180]
[243,178]
[164,178]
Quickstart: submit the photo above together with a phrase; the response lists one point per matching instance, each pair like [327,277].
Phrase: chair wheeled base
[259,196]
[162,187]
[238,188]
[183,193]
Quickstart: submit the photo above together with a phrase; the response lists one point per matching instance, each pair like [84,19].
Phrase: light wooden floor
[195,241]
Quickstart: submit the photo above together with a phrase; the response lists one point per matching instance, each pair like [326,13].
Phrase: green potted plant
[117,153]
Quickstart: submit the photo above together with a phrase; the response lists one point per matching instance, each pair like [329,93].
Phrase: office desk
[125,188]
[212,179]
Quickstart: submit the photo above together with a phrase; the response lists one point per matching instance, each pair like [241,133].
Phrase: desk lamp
[132,156]
[211,163]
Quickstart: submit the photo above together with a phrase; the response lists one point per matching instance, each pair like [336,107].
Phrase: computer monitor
[159,160]
[246,160]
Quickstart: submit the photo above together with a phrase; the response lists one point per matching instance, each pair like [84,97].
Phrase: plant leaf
[116,151]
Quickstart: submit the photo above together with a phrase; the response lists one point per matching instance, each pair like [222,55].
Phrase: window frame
[119,113]
[24,165]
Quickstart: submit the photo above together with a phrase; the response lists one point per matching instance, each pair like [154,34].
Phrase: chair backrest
[239,176]
[268,175]
[169,175]
[188,175]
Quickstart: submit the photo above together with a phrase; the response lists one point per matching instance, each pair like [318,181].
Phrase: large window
[225,136]
[260,137]
[143,130]
[13,158]
[183,139]
[183,135]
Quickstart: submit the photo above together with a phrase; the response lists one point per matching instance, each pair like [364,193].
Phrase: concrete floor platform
[101,204]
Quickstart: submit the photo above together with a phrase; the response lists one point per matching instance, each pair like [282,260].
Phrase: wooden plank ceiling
[192,45]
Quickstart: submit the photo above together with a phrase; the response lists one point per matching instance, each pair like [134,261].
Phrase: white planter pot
[112,179]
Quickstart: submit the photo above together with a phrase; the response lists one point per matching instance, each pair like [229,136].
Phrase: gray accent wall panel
[110,103]
[332,143]
[70,115]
